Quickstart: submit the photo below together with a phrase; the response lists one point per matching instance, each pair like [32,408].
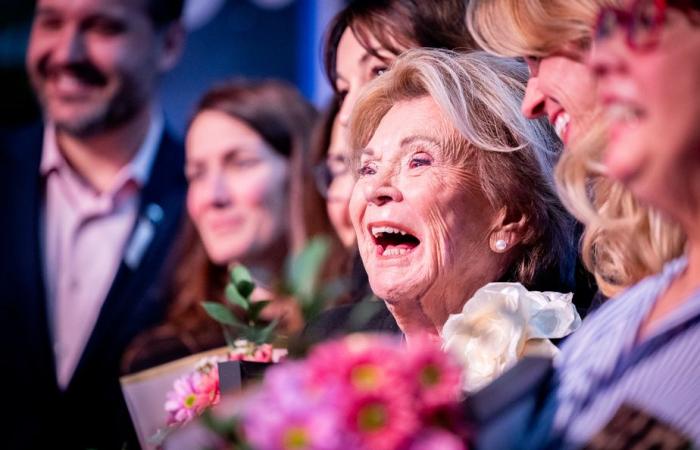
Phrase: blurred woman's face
[562,88]
[355,67]
[237,184]
[649,94]
[420,229]
[340,188]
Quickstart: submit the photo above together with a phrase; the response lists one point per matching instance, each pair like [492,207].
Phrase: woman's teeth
[376,231]
[620,112]
[560,124]
[394,251]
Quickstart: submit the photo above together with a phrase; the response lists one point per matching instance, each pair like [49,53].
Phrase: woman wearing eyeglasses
[361,42]
[641,349]
[555,39]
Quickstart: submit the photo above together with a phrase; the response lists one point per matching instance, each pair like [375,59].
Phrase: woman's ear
[506,234]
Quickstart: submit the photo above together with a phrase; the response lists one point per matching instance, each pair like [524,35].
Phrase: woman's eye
[420,162]
[244,163]
[379,70]
[366,169]
[193,175]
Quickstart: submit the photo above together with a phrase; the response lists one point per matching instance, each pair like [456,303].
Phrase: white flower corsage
[503,322]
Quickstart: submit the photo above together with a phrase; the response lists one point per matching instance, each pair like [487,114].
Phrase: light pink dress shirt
[85,236]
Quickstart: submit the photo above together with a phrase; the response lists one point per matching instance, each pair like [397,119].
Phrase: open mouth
[622,117]
[393,241]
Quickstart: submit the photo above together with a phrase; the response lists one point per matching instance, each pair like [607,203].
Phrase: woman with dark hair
[361,42]
[244,152]
[368,35]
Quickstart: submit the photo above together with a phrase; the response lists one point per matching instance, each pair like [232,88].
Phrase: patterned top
[601,367]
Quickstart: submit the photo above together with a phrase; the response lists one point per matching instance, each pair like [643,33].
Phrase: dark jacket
[365,316]
[91,411]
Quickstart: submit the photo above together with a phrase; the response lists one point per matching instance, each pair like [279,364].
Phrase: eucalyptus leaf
[235,298]
[256,308]
[304,270]
[230,337]
[221,314]
[245,288]
[266,333]
[240,273]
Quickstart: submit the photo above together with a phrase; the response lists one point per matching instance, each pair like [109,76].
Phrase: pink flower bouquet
[361,392]
[198,390]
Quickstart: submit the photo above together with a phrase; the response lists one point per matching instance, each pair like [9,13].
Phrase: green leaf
[245,288]
[235,298]
[266,333]
[256,308]
[303,271]
[221,314]
[261,335]
[230,337]
[241,278]
[240,273]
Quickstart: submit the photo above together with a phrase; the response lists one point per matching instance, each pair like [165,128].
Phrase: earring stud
[501,245]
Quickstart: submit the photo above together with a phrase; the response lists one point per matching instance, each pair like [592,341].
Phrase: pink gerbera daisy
[382,421]
[435,375]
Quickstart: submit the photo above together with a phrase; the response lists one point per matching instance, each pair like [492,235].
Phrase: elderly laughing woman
[454,190]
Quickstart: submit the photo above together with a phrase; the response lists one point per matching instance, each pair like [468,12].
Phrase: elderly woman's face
[419,226]
[561,88]
[650,97]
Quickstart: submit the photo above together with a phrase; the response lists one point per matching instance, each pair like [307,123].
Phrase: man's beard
[111,112]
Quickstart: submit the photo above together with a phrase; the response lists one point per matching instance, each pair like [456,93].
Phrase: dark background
[245,38]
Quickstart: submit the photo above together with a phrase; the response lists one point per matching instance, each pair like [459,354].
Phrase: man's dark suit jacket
[91,412]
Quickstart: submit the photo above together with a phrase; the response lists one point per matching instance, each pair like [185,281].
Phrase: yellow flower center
[372,417]
[365,377]
[189,400]
[295,438]
[430,376]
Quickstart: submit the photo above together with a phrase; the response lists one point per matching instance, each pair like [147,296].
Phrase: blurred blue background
[227,39]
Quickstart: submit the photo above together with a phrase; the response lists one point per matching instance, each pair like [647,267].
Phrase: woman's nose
[346,107]
[219,195]
[383,190]
[533,101]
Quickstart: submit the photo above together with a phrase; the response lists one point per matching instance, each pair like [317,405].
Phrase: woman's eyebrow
[367,151]
[408,140]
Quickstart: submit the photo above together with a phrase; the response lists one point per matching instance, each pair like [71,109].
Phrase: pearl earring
[501,245]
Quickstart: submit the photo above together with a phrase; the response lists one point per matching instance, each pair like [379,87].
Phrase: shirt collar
[138,169]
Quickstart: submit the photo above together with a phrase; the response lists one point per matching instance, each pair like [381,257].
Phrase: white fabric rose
[503,322]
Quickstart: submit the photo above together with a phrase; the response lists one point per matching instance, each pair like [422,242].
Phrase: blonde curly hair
[623,241]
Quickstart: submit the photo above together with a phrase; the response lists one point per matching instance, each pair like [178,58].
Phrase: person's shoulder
[16,142]
[606,322]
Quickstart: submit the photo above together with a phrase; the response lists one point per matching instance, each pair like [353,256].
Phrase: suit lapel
[130,302]
[24,293]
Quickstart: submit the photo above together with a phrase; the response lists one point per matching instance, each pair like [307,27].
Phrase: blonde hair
[623,241]
[509,158]
[532,27]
